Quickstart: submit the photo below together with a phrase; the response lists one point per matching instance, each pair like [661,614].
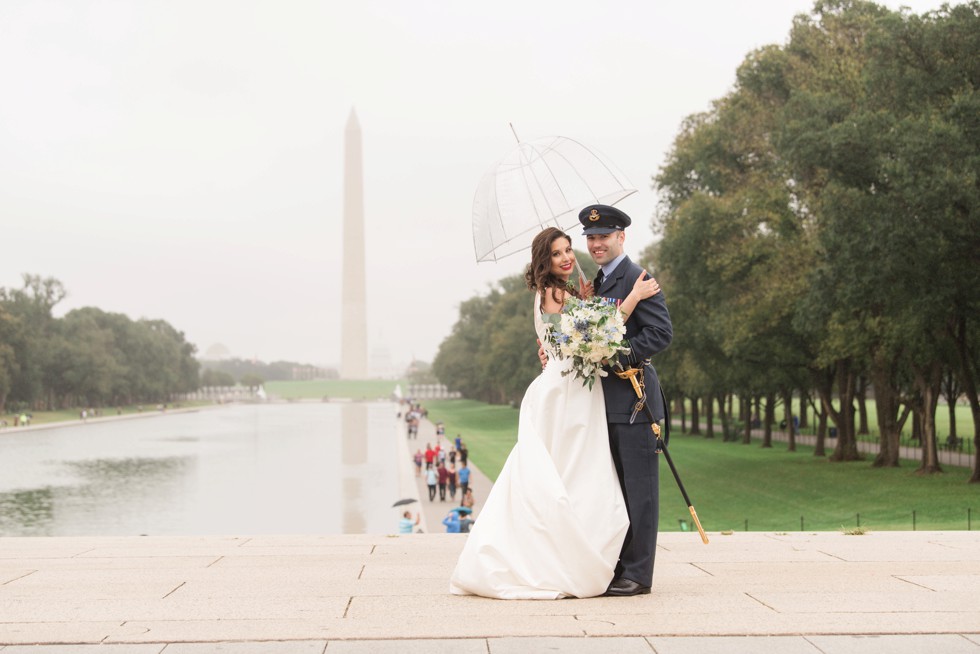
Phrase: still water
[237,470]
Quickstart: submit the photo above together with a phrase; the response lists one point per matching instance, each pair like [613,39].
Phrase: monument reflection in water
[260,469]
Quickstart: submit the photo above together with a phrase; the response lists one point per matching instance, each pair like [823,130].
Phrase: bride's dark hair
[538,275]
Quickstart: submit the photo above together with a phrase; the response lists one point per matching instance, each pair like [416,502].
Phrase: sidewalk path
[434,512]
[745,592]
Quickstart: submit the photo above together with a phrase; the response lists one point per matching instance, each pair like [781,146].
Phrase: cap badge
[594,215]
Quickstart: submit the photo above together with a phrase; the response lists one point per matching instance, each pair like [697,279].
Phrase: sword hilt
[632,374]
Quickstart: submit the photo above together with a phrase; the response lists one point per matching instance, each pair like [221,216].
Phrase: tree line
[88,357]
[226,372]
[821,239]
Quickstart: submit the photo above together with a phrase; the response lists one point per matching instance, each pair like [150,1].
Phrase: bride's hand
[644,288]
[585,288]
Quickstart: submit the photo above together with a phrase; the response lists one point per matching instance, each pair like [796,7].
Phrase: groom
[633,445]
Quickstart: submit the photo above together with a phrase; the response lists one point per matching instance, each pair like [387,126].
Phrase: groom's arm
[651,331]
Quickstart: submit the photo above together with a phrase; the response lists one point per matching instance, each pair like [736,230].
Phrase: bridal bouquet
[588,332]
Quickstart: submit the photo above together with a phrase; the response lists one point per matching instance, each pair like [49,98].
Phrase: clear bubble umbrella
[541,183]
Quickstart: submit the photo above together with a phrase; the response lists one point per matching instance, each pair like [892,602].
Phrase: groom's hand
[542,357]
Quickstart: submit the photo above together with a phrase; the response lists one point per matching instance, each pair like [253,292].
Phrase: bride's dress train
[555,519]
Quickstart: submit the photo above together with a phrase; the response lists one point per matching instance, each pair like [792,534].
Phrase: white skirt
[555,519]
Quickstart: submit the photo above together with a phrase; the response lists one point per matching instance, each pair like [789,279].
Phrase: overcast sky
[182,159]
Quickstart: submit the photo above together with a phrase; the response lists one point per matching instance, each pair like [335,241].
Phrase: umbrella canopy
[407,500]
[461,509]
[542,183]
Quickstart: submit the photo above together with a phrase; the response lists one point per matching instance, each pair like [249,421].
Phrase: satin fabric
[555,519]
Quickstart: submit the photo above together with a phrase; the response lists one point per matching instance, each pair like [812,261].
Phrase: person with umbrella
[555,520]
[452,522]
[465,519]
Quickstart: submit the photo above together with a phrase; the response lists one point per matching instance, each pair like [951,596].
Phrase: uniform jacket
[649,332]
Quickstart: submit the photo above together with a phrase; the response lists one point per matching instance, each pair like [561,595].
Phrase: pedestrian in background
[452,482]
[468,499]
[464,479]
[431,479]
[452,522]
[405,525]
[443,481]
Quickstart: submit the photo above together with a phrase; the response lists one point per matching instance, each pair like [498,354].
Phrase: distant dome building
[216,352]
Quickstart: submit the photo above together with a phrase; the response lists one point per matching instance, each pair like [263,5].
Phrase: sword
[638,386]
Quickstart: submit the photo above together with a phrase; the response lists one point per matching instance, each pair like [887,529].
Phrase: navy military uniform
[633,445]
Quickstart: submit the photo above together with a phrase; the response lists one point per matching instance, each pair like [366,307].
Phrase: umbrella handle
[581,274]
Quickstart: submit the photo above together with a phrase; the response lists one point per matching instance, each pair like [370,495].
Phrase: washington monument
[353,329]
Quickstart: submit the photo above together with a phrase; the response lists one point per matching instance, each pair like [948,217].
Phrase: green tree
[509,357]
[33,323]
[889,164]
[9,366]
[216,378]
[491,354]
[251,381]
[924,76]
[83,367]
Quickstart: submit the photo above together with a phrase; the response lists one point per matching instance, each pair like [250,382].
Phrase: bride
[555,519]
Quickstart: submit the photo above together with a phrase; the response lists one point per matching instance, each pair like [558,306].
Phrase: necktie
[598,281]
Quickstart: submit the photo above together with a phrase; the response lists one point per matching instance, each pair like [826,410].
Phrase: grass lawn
[731,483]
[489,430]
[360,389]
[43,417]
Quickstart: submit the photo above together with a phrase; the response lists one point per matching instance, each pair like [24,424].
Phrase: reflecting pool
[304,468]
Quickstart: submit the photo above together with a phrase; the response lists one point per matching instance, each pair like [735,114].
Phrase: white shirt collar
[611,266]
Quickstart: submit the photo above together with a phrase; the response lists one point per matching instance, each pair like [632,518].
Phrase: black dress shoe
[623,587]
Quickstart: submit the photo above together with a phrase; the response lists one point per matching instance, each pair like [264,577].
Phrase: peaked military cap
[603,219]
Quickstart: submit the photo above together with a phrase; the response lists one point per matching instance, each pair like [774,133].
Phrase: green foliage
[210,378]
[491,353]
[274,371]
[251,381]
[732,483]
[88,357]
[821,232]
[488,431]
[821,220]
[368,389]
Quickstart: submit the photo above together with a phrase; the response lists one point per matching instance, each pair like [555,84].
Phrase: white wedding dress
[555,519]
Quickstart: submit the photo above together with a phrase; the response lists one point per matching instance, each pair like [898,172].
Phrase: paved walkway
[434,512]
[745,592]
